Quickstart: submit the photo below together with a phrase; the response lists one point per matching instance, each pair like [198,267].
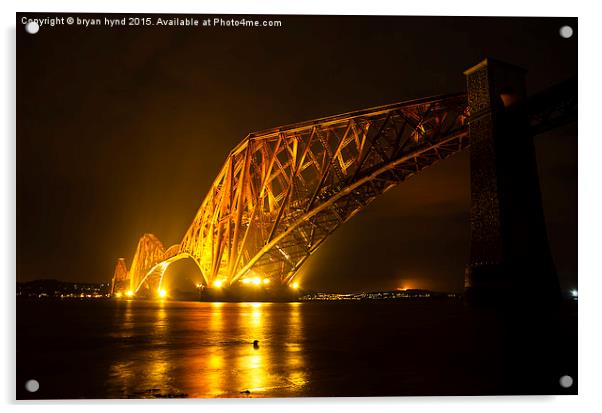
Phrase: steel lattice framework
[121,278]
[283,191]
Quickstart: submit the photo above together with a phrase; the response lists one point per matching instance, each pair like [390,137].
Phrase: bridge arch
[155,275]
[281,192]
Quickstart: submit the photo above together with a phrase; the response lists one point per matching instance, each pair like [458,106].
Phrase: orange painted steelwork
[283,191]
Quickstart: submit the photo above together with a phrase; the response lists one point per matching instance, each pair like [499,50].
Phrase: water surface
[136,349]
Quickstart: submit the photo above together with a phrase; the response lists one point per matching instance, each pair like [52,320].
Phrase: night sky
[121,131]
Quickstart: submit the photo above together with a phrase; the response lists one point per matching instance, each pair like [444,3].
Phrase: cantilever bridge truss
[283,191]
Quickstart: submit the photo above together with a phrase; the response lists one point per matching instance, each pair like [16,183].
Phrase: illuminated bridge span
[283,191]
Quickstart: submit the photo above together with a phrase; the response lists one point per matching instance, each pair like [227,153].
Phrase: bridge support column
[509,252]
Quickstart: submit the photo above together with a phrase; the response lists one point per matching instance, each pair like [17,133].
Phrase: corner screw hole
[32,27]
[566,32]
[32,386]
[566,381]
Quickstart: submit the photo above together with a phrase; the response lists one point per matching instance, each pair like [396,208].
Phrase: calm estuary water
[151,349]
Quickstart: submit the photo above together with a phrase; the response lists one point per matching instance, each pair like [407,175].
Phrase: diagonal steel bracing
[283,191]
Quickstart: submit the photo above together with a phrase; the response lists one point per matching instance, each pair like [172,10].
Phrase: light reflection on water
[175,349]
[116,349]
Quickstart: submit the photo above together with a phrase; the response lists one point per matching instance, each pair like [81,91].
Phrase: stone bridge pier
[509,254]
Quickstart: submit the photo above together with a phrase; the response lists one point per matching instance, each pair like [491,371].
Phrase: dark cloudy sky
[121,131]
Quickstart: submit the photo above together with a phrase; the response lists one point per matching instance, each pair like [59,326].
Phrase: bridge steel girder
[283,191]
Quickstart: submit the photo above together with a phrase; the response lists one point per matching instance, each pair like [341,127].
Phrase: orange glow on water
[276,366]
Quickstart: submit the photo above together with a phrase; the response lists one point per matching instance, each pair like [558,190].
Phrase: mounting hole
[32,386]
[566,32]
[566,381]
[32,27]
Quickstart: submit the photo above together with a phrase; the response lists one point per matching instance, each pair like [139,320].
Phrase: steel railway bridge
[281,192]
